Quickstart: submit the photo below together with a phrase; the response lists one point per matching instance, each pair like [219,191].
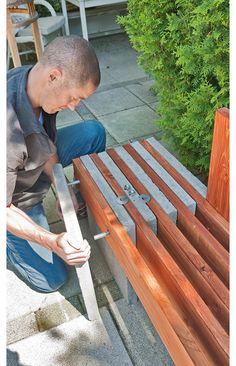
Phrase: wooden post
[12,41]
[218,180]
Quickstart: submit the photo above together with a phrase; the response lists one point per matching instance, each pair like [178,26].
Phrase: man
[67,73]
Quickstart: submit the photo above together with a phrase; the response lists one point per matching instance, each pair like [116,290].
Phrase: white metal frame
[83,4]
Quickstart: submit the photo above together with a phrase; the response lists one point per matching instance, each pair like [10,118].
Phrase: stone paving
[52,329]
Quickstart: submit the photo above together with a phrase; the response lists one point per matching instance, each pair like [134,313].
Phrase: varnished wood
[189,303]
[33,16]
[205,243]
[218,181]
[12,41]
[211,219]
[183,347]
[212,290]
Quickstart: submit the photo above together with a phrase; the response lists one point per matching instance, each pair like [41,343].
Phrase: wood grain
[204,242]
[189,303]
[209,217]
[218,181]
[203,278]
[183,347]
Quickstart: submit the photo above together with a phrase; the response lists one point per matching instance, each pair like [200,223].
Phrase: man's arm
[21,225]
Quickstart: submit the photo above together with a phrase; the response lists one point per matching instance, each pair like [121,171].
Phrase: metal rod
[101,235]
[74,182]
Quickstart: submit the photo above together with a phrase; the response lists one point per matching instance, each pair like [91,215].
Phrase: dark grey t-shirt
[29,144]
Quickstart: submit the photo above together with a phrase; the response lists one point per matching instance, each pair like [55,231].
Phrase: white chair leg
[83,19]
[64,12]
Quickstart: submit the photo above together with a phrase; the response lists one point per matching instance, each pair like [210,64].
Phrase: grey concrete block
[110,101]
[77,342]
[139,336]
[109,195]
[140,205]
[58,313]
[176,188]
[114,266]
[147,182]
[22,327]
[132,123]
[186,174]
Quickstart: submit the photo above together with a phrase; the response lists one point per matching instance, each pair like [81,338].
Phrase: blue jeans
[42,275]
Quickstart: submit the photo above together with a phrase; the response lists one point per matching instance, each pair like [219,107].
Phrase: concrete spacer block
[125,220]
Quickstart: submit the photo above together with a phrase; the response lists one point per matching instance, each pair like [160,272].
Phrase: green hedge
[184,46]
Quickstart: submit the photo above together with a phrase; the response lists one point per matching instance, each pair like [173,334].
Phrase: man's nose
[72,105]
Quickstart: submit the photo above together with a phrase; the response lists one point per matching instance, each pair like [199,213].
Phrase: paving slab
[130,124]
[139,336]
[111,101]
[124,69]
[106,78]
[84,112]
[67,117]
[143,91]
[78,342]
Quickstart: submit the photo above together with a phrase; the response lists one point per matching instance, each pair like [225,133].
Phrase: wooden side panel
[218,181]
[182,346]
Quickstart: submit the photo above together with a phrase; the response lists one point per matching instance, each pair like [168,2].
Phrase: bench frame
[181,274]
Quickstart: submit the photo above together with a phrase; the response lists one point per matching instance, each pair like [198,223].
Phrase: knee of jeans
[97,133]
[55,281]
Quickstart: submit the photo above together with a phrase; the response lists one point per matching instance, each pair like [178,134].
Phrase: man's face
[58,97]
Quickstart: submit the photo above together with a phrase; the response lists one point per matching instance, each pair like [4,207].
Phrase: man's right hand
[70,253]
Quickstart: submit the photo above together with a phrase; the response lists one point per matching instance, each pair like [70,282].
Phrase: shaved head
[75,57]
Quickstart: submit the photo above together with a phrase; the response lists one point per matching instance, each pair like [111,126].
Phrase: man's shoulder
[15,75]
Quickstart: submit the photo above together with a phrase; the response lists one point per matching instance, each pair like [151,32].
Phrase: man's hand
[66,249]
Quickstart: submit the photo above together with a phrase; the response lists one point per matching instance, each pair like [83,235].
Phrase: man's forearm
[21,225]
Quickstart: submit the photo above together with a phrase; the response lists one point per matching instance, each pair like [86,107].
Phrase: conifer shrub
[184,46]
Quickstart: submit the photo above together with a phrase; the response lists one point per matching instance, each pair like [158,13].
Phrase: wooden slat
[214,222]
[212,290]
[218,181]
[204,242]
[199,317]
[182,346]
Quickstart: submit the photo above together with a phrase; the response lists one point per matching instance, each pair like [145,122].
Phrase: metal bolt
[131,192]
[101,235]
[74,182]
[126,187]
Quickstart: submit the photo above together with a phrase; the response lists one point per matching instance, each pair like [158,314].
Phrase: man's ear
[54,75]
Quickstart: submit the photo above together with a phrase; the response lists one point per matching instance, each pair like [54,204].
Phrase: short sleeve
[16,150]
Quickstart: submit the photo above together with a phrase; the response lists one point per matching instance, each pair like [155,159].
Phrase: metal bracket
[122,200]
[74,182]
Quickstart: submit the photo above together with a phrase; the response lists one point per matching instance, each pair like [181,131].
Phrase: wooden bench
[181,272]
